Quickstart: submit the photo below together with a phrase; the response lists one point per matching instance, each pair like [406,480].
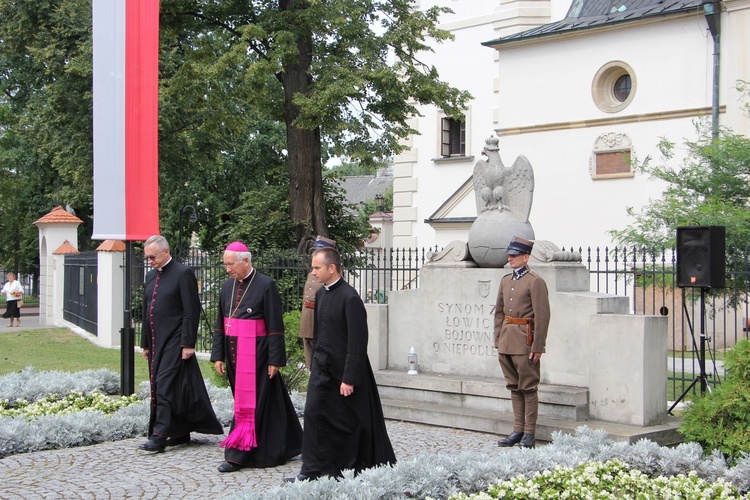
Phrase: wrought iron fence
[648,278]
[372,272]
[645,276]
[80,291]
[30,299]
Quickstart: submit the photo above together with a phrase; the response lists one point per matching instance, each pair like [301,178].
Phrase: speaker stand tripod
[702,378]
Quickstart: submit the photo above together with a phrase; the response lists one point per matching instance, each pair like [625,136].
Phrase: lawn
[61,349]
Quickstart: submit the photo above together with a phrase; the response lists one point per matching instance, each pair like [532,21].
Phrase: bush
[31,385]
[53,427]
[216,379]
[295,372]
[612,478]
[721,420]
[574,459]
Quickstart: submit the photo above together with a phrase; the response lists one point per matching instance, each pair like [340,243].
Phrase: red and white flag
[126,106]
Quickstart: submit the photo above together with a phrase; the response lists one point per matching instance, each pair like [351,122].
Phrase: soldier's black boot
[512,439]
[527,441]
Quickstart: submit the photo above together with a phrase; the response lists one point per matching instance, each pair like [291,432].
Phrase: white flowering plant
[43,410]
[603,480]
[583,465]
[72,402]
[46,410]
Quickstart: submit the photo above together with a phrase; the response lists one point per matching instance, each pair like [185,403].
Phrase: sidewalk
[29,320]
[119,470]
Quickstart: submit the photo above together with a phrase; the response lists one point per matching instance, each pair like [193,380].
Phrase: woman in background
[13,292]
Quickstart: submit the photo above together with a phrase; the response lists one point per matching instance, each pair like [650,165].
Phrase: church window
[453,137]
[613,87]
[622,88]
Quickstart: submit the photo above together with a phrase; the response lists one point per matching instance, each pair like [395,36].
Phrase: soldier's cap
[323,242]
[519,246]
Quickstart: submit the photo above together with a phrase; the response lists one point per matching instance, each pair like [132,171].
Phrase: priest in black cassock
[171,311]
[249,347]
[344,423]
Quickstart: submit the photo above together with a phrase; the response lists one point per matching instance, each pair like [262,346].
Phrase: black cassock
[179,401]
[277,428]
[342,432]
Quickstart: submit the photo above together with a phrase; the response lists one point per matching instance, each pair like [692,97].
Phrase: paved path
[29,320]
[119,470]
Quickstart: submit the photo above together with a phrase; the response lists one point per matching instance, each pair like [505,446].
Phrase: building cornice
[733,5]
[582,32]
[609,121]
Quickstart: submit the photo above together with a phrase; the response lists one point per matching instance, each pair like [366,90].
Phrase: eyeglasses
[152,257]
[230,264]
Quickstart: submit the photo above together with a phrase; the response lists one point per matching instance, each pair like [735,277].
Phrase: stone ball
[490,234]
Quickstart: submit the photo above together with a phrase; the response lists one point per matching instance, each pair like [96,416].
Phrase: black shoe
[151,446]
[229,467]
[512,439]
[178,440]
[299,477]
[527,441]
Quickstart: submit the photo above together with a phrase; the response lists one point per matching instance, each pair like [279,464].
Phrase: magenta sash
[243,435]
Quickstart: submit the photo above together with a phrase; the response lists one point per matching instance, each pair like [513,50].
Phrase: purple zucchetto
[237,246]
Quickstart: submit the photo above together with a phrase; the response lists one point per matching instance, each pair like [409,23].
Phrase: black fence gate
[80,290]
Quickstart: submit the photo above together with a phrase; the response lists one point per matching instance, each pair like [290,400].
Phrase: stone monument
[503,197]
[601,362]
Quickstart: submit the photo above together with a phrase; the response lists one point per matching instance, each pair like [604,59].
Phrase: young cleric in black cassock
[278,434]
[171,311]
[342,432]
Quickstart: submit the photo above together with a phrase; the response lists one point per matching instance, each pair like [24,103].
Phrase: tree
[347,73]
[712,187]
[45,122]
[254,96]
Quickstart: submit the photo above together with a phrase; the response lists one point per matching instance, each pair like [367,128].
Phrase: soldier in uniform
[522,315]
[312,285]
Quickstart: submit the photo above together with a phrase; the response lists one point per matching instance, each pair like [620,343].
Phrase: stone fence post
[110,299]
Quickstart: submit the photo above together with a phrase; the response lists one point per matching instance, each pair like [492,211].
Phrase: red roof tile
[59,215]
[111,246]
[65,249]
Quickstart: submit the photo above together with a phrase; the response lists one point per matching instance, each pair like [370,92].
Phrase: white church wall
[538,98]
[571,208]
[547,83]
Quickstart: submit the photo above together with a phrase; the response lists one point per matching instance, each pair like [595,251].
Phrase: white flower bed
[584,465]
[47,428]
[653,470]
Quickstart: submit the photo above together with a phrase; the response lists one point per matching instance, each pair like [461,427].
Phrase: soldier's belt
[529,322]
[519,321]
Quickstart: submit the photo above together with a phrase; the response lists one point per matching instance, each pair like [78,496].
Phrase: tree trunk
[303,146]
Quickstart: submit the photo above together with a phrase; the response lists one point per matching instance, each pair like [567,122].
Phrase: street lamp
[193,217]
[379,202]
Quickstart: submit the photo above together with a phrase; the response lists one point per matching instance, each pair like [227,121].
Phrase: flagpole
[127,332]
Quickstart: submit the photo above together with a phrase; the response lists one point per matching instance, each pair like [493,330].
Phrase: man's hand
[220,368]
[346,389]
[187,352]
[272,370]
[145,353]
[534,357]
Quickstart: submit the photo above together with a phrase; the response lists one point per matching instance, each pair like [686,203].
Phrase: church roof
[364,188]
[587,14]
